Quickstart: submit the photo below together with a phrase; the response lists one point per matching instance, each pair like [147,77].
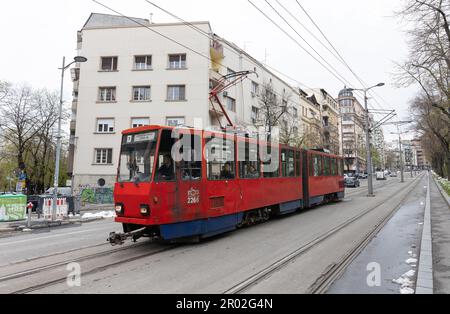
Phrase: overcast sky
[36,34]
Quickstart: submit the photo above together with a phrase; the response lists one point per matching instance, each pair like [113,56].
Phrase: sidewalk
[87,214]
[440,222]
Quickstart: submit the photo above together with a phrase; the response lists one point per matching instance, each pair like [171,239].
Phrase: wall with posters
[13,207]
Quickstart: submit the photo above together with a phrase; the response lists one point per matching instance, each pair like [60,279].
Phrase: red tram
[230,184]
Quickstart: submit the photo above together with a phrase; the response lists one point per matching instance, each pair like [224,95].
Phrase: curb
[7,230]
[20,228]
[425,270]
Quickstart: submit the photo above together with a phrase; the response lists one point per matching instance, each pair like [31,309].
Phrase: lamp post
[64,67]
[367,130]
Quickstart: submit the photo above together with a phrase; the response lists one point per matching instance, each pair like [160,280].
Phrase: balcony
[217,54]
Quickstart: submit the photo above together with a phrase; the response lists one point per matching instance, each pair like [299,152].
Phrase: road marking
[52,236]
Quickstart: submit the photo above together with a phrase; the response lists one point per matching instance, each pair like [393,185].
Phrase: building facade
[353,135]
[330,120]
[136,77]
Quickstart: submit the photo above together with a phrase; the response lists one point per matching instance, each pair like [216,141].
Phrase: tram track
[55,273]
[333,272]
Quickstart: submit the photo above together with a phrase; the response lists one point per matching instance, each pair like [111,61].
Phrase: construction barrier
[13,207]
[62,209]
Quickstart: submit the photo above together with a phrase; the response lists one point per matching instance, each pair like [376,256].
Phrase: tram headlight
[119,209]
[145,210]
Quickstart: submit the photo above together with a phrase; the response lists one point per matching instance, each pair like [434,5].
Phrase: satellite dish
[101,182]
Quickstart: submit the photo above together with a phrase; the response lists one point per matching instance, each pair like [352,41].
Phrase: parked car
[394,175]
[363,175]
[352,181]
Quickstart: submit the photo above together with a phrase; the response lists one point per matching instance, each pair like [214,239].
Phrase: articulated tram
[187,184]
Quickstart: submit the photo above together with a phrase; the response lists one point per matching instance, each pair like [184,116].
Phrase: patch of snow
[420,223]
[410,252]
[105,214]
[406,290]
[409,274]
[411,261]
[405,282]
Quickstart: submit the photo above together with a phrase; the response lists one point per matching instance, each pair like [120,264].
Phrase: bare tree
[27,122]
[428,64]
[277,111]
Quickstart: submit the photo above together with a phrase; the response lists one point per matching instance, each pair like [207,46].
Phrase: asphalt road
[213,266]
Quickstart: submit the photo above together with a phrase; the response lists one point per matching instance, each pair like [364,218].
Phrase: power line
[293,39]
[309,45]
[182,45]
[209,36]
[343,81]
[334,48]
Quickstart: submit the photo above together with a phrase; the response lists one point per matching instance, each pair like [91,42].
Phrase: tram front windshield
[137,157]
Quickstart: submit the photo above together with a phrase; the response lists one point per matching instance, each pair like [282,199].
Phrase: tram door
[180,169]
[189,187]
[222,189]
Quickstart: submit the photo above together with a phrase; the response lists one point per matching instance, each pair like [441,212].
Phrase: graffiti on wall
[96,195]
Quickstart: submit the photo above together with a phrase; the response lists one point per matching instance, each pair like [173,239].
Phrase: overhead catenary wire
[338,76]
[181,44]
[210,36]
[339,54]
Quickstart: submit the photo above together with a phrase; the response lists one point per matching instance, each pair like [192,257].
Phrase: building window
[107,94]
[143,62]
[231,104]
[141,93]
[138,122]
[295,112]
[103,156]
[255,89]
[177,61]
[109,64]
[105,125]
[175,121]
[255,114]
[176,92]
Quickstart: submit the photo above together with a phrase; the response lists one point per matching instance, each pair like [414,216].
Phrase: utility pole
[368,148]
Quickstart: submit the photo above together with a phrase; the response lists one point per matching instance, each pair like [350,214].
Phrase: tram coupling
[120,238]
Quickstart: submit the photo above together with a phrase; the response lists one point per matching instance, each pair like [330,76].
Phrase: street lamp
[78,59]
[368,151]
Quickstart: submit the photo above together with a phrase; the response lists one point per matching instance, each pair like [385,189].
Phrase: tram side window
[220,159]
[271,162]
[191,164]
[298,164]
[287,163]
[166,165]
[334,170]
[316,166]
[249,161]
[341,167]
[326,166]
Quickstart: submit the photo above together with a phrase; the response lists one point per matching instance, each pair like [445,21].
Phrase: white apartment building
[135,76]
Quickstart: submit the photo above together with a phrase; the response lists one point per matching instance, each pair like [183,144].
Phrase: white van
[380,175]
